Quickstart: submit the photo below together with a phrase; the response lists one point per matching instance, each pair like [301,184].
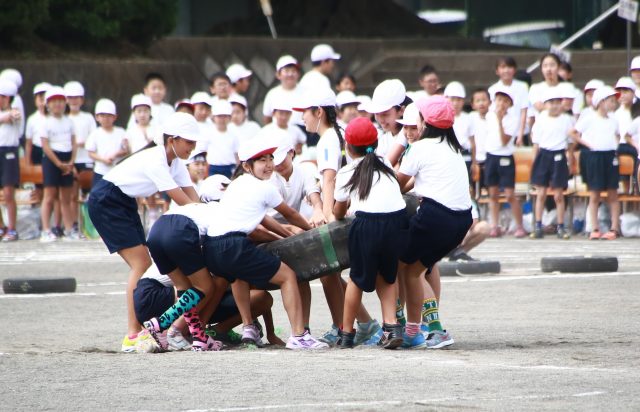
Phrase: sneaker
[562,233]
[415,342]
[424,329]
[3,230]
[211,345]
[460,255]
[57,231]
[305,342]
[259,326]
[153,327]
[331,336]
[365,331]
[495,232]
[177,342]
[439,339]
[594,235]
[129,345]
[391,336]
[10,236]
[537,233]
[251,334]
[230,337]
[146,343]
[520,233]
[71,235]
[610,235]
[347,340]
[374,339]
[47,236]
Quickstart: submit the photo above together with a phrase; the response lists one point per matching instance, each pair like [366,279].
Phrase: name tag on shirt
[505,161]
[557,157]
[615,161]
[10,156]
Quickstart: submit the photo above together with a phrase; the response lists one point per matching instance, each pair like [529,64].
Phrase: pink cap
[437,111]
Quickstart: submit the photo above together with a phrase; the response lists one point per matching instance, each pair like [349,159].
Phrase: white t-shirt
[479,133]
[159,113]
[384,197]
[243,206]
[329,153]
[418,94]
[537,94]
[634,132]
[440,173]
[84,124]
[34,125]
[551,133]
[17,103]
[313,79]
[294,133]
[200,213]
[494,141]
[139,138]
[221,147]
[520,91]
[9,133]
[601,133]
[148,172]
[154,273]
[246,131]
[59,131]
[279,93]
[300,185]
[386,141]
[623,117]
[463,130]
[105,143]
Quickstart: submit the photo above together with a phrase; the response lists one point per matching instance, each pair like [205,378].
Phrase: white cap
[54,91]
[316,97]
[237,72]
[182,125]
[212,188]
[554,93]
[13,76]
[197,155]
[183,102]
[238,99]
[635,63]
[221,108]
[284,147]
[566,90]
[504,90]
[256,147]
[387,94]
[140,100]
[593,84]
[625,83]
[41,87]
[602,93]
[286,60]
[410,116]
[323,52]
[455,89]
[8,88]
[201,97]
[73,89]
[364,101]
[105,106]
[346,97]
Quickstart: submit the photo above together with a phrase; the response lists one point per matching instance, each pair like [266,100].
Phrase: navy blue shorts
[151,299]
[174,242]
[550,169]
[226,170]
[226,309]
[375,243]
[81,167]
[52,175]
[115,217]
[233,256]
[500,171]
[9,166]
[95,179]
[36,155]
[602,170]
[434,231]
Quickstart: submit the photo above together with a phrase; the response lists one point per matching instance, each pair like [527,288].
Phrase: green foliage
[18,19]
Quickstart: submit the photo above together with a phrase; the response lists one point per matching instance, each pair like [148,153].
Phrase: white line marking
[90,284]
[594,393]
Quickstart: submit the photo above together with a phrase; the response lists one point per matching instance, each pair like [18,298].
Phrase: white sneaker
[177,342]
[72,235]
[47,236]
[305,342]
[146,343]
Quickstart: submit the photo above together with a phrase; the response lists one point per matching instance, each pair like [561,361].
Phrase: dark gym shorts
[225,309]
[174,242]
[52,175]
[375,243]
[151,299]
[36,155]
[233,256]
[500,171]
[9,166]
[602,170]
[115,217]
[434,231]
[550,169]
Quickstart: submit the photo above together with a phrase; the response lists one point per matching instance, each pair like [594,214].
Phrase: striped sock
[400,313]
[412,329]
[430,315]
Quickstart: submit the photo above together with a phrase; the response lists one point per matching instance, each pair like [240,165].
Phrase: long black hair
[362,179]
[431,132]
[332,119]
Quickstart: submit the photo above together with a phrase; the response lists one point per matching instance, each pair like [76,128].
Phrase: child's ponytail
[362,179]
[332,119]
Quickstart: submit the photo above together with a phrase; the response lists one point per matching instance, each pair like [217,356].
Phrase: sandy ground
[524,341]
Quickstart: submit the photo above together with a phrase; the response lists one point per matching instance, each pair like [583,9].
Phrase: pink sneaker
[305,342]
[210,345]
[153,327]
[520,233]
[495,232]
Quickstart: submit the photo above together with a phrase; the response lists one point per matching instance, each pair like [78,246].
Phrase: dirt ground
[524,341]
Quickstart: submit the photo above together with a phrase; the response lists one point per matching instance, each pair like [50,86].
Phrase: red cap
[361,132]
[437,111]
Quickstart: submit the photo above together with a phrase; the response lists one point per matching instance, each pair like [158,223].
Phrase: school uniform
[313,79]
[520,92]
[221,148]
[462,127]
[246,131]
[9,146]
[159,113]
[227,250]
[375,236]
[499,167]
[444,216]
[386,141]
[299,186]
[59,132]
[294,134]
[280,94]
[479,133]
[537,93]
[551,134]
[105,143]
[138,137]
[84,124]
[601,164]
[34,124]
[112,204]
[329,152]
[623,117]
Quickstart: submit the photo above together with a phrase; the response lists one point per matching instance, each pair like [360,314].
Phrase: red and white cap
[73,89]
[316,97]
[361,132]
[53,92]
[140,100]
[256,148]
[285,61]
[183,102]
[237,72]
[105,106]
[386,95]
[323,52]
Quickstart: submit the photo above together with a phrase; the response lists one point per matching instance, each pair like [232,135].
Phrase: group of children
[319,158]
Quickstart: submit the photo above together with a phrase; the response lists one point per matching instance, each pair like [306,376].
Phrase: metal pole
[268,13]
[628,43]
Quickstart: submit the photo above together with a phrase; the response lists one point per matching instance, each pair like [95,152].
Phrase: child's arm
[317,219]
[190,191]
[50,154]
[405,182]
[340,210]
[95,156]
[504,138]
[179,196]
[74,150]
[577,137]
[270,329]
[28,148]
[328,187]
[292,216]
[523,122]
[472,142]
[272,225]
[395,153]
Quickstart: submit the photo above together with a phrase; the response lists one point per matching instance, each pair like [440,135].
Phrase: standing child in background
[500,168]
[369,184]
[565,72]
[108,143]
[57,133]
[587,111]
[429,82]
[142,132]
[598,133]
[10,120]
[281,124]
[220,87]
[626,90]
[550,136]
[240,78]
[288,73]
[240,124]
[347,103]
[15,77]
[197,165]
[346,83]
[549,66]
[33,145]
[506,68]
[462,126]
[480,102]
[323,60]
[156,89]
[84,123]
[222,145]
